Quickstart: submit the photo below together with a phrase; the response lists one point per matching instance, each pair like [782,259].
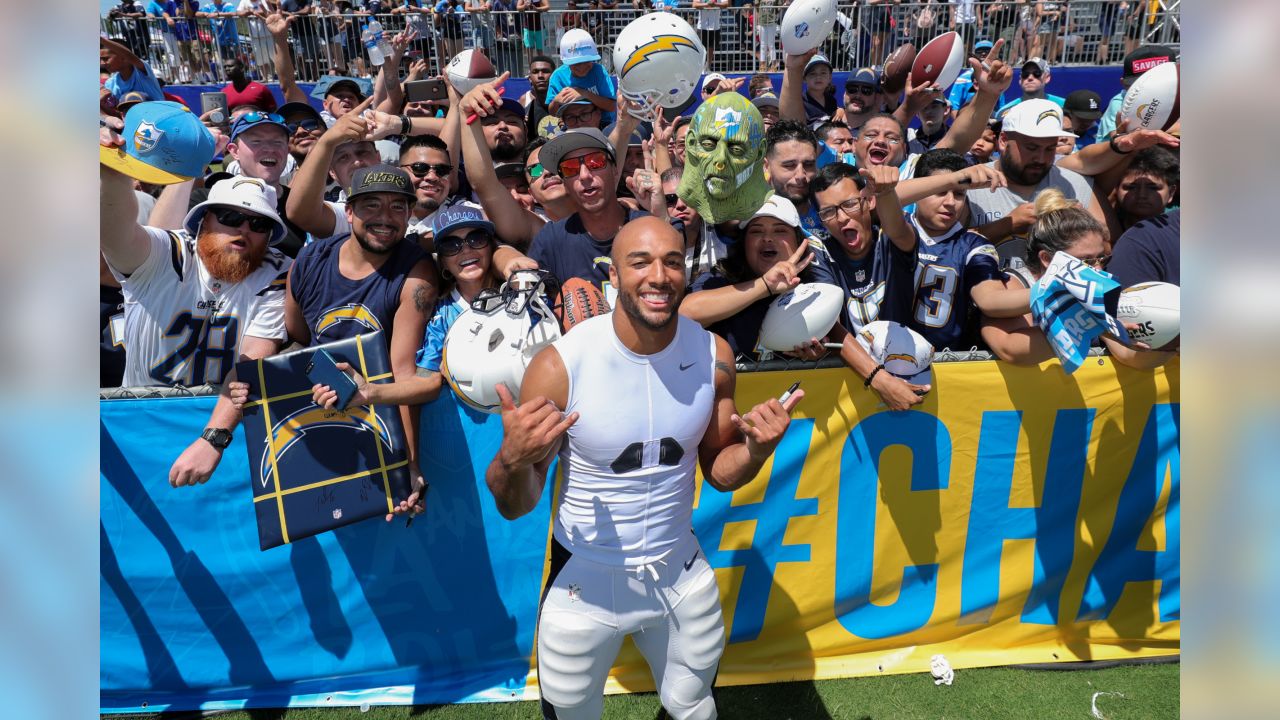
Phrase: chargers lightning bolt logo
[292,428]
[659,44]
[353,312]
[900,356]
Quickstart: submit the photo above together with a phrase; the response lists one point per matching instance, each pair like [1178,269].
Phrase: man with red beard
[199,299]
[372,279]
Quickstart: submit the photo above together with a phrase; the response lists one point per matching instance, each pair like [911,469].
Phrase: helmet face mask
[659,60]
[495,339]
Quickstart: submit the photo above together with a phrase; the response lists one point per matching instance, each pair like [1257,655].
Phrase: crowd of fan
[192,39]
[408,211]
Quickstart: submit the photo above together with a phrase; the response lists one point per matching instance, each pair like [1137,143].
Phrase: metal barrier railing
[1087,32]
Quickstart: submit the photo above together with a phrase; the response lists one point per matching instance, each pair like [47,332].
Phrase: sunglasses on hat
[594,160]
[420,169]
[234,219]
[452,244]
[253,117]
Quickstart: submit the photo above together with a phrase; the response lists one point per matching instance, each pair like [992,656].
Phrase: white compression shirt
[628,462]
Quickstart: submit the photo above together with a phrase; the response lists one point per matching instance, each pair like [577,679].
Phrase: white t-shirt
[183,327]
[964,11]
[987,205]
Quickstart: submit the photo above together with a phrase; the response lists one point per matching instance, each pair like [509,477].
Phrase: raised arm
[882,182]
[513,223]
[278,26]
[735,447]
[972,120]
[388,83]
[124,243]
[306,207]
[532,433]
[790,102]
[973,177]
[171,206]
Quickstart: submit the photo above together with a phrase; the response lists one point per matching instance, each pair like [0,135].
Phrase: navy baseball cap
[164,143]
[864,76]
[460,215]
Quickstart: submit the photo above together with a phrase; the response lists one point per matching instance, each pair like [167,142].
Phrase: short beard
[1019,176]
[429,205]
[631,306]
[369,247]
[225,264]
[507,152]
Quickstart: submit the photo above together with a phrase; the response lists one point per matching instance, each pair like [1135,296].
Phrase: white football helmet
[494,340]
[659,61]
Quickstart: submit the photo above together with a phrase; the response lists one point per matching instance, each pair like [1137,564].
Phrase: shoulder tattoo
[724,367]
[422,298]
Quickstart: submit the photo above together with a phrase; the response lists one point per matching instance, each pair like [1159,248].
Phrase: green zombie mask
[724,160]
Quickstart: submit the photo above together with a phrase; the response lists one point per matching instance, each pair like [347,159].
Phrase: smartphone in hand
[425,91]
[215,101]
[322,369]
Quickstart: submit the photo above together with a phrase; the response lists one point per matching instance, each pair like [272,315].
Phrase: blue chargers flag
[1066,302]
[313,470]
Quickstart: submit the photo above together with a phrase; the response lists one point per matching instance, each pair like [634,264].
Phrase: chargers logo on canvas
[286,433]
[146,137]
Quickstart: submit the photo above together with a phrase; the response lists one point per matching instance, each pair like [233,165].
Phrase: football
[468,69]
[1154,308]
[809,311]
[939,61]
[896,68]
[579,300]
[1152,100]
[806,24]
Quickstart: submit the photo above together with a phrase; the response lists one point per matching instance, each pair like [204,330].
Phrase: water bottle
[373,42]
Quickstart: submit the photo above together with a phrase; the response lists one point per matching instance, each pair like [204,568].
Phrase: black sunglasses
[671,199]
[235,218]
[308,124]
[452,244]
[421,169]
[1033,73]
[867,90]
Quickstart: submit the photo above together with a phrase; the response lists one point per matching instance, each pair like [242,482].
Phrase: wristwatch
[220,438]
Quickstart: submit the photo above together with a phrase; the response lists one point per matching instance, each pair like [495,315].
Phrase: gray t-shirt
[986,205]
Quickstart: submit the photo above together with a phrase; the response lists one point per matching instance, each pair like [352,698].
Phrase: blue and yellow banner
[1018,516]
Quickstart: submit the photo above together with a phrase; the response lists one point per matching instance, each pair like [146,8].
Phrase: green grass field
[1144,691]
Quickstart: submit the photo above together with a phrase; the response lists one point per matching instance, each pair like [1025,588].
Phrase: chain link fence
[739,39]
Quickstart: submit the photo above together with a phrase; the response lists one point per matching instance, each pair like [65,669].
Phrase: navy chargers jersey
[336,307]
[879,286]
[949,267]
